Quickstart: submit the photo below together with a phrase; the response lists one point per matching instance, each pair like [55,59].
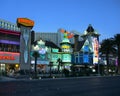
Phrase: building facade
[9,46]
[86,52]
[13,39]
[48,52]
[55,37]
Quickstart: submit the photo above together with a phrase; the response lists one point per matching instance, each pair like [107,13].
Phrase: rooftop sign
[25,22]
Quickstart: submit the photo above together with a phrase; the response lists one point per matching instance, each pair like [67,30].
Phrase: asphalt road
[88,86]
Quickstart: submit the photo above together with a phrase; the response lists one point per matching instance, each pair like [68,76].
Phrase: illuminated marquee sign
[8,55]
[7,58]
[25,22]
[66,48]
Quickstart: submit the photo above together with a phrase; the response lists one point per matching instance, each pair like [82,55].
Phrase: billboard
[95,51]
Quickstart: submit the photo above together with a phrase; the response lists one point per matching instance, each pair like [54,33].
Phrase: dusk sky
[50,15]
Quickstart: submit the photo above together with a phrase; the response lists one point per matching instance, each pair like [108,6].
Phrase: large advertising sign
[9,57]
[95,51]
[25,22]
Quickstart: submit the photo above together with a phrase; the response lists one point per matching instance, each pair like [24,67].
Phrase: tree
[35,55]
[117,43]
[107,48]
[50,64]
[59,64]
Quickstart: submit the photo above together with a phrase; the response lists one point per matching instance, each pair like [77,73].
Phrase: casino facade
[16,47]
[9,46]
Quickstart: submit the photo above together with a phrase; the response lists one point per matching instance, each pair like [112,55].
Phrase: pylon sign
[25,26]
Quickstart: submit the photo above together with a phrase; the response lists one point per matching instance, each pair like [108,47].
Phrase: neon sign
[8,55]
[25,22]
[7,58]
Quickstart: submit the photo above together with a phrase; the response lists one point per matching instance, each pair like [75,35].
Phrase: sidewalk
[4,78]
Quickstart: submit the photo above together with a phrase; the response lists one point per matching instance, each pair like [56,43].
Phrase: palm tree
[117,43]
[107,48]
[35,55]
[50,64]
[59,64]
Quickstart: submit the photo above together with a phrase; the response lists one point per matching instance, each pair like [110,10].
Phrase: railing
[9,26]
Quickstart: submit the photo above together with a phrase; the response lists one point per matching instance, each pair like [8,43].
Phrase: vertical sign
[25,26]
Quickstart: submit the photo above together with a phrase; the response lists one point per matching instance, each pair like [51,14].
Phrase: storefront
[42,65]
[9,62]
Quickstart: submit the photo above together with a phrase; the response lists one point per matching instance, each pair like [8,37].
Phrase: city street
[83,86]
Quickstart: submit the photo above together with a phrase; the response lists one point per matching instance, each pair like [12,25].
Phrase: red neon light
[7,58]
[9,53]
[9,32]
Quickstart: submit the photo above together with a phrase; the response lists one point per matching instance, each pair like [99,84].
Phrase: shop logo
[25,22]
[7,58]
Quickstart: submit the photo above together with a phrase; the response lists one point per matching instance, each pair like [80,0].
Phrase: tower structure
[92,38]
[25,26]
[66,48]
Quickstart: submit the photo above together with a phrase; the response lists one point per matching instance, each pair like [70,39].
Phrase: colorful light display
[95,50]
[41,48]
[66,34]
[86,58]
[66,46]
[8,55]
[66,57]
[10,42]
[10,32]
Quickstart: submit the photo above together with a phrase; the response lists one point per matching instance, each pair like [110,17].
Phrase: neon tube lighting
[9,42]
[12,53]
[9,32]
